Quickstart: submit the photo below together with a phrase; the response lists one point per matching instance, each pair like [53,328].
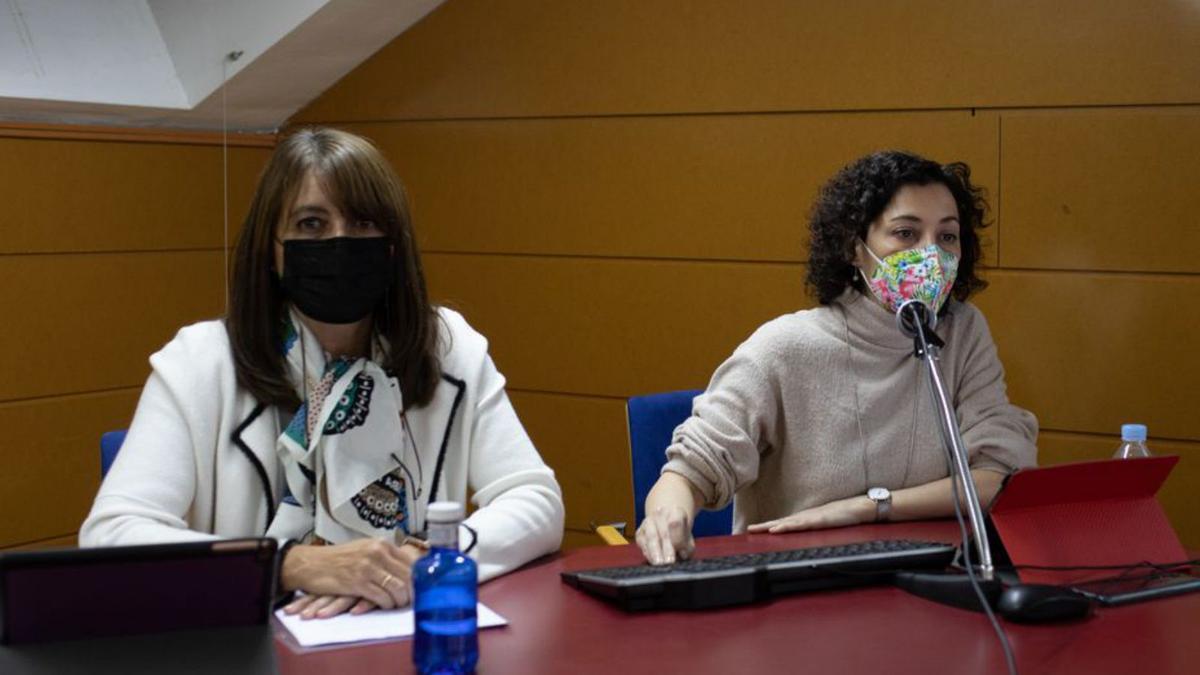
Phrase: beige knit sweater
[779,425]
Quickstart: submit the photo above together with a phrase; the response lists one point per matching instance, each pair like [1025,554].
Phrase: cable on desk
[1009,658]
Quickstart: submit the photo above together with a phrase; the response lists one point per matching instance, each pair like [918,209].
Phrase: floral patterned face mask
[925,274]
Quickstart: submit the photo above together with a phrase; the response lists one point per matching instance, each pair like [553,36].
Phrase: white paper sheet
[375,625]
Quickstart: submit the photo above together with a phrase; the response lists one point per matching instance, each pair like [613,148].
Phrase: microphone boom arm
[912,318]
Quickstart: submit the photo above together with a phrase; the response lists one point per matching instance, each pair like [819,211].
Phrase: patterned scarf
[343,451]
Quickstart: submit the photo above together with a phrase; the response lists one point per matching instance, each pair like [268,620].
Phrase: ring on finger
[387,579]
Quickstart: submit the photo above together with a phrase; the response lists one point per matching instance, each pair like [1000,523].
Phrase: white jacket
[199,461]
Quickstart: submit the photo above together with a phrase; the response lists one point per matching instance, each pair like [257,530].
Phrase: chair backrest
[652,419]
[110,443]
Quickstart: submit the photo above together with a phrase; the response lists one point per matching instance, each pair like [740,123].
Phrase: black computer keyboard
[740,579]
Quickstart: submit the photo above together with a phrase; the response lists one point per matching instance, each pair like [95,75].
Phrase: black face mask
[338,280]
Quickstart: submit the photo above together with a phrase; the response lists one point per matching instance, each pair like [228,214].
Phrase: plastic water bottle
[1133,442]
[445,584]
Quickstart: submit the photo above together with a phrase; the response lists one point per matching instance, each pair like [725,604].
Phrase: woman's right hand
[666,534]
[375,570]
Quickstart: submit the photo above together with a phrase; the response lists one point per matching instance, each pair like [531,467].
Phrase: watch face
[878,493]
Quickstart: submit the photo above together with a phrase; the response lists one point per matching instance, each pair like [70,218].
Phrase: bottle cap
[1133,432]
[444,512]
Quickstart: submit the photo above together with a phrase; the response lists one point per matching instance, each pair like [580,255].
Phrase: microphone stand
[913,318]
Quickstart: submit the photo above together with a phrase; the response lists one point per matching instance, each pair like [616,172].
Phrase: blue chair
[652,419]
[110,443]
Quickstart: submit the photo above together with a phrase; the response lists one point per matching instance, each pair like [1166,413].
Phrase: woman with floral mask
[332,404]
[823,418]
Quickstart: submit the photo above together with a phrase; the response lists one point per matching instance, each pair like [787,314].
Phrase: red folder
[1085,514]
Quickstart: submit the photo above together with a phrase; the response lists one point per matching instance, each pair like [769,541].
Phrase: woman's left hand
[842,513]
[325,605]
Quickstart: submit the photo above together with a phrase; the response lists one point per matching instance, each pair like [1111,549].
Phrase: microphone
[914,314]
[916,320]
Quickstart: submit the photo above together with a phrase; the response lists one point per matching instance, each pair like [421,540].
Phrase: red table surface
[554,628]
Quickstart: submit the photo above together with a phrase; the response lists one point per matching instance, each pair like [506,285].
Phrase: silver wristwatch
[883,502]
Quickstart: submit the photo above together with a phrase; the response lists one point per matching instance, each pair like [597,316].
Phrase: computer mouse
[1042,603]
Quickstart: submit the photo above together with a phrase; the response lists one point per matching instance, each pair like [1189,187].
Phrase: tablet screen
[72,593]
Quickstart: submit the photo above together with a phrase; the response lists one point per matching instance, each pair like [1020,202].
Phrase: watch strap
[883,505]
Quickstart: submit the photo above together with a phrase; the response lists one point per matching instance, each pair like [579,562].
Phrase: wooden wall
[616,193]
[112,240]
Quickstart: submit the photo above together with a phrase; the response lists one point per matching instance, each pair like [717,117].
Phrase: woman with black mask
[332,404]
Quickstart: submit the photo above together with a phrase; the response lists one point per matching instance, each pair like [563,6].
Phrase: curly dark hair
[854,198]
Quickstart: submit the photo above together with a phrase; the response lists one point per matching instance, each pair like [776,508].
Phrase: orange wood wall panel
[68,541]
[616,192]
[573,539]
[81,195]
[727,187]
[1089,351]
[89,322]
[1093,190]
[113,242]
[473,58]
[612,327]
[1178,494]
[584,438]
[51,459]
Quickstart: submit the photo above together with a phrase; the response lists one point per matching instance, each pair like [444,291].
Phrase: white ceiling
[162,62]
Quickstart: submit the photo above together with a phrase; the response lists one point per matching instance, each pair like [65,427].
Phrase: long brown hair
[362,184]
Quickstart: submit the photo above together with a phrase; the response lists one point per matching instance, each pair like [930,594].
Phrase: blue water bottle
[444,586]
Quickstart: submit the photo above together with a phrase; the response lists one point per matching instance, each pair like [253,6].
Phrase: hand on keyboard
[842,513]
[750,577]
[666,534]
